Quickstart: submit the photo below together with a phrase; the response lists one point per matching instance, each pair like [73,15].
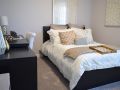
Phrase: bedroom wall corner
[107,35]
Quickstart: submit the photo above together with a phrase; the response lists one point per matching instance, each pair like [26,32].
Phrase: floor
[49,78]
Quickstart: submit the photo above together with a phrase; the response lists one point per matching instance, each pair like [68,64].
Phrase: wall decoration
[112,13]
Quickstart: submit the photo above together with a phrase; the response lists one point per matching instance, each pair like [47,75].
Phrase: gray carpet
[49,78]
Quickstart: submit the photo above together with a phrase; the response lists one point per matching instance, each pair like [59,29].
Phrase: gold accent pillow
[67,38]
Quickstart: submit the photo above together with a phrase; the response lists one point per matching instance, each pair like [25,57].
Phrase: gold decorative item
[103,49]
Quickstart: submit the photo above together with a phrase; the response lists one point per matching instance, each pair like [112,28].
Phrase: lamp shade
[3,20]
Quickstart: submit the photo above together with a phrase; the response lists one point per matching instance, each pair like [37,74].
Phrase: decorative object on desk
[83,27]
[4,24]
[14,34]
[30,36]
[9,38]
[7,45]
[2,43]
[103,49]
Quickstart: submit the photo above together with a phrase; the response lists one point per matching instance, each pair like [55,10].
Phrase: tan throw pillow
[67,38]
[57,27]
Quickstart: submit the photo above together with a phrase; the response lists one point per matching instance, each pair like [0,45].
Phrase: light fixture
[4,24]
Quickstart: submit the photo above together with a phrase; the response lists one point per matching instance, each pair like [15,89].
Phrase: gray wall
[27,15]
[108,35]
[31,15]
[84,13]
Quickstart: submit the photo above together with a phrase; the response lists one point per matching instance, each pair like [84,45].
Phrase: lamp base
[4,29]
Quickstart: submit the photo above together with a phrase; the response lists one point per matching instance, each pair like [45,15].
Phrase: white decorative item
[4,24]
[2,43]
[112,13]
[3,20]
[30,36]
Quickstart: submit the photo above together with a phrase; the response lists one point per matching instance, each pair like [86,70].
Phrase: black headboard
[45,34]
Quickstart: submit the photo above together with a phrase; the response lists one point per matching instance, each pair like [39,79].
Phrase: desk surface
[18,53]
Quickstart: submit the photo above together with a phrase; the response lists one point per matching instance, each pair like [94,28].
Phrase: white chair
[5,81]
[30,36]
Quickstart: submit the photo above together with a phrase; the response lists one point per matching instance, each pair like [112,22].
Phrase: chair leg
[9,87]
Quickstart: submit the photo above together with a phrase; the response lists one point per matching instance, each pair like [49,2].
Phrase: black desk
[21,63]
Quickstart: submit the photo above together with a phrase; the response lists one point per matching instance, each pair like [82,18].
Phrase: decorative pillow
[54,35]
[58,27]
[81,41]
[67,38]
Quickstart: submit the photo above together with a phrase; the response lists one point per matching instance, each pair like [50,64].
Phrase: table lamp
[4,24]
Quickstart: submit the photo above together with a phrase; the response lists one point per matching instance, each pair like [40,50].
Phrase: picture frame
[112,17]
[2,43]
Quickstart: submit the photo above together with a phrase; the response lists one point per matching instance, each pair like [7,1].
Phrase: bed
[93,78]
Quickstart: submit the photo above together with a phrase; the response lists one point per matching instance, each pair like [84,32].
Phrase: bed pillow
[74,26]
[67,38]
[79,33]
[87,33]
[54,35]
[81,41]
[58,27]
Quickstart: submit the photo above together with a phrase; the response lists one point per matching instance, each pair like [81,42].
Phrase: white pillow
[79,33]
[84,33]
[81,41]
[54,35]
[89,36]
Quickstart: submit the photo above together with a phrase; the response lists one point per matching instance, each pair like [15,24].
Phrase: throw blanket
[75,52]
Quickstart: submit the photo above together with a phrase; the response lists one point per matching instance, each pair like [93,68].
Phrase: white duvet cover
[74,69]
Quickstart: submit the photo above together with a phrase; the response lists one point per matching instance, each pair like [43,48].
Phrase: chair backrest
[5,81]
[30,36]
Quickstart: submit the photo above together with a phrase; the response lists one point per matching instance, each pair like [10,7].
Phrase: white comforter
[74,69]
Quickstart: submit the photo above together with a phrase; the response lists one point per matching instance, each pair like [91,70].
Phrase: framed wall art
[112,13]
